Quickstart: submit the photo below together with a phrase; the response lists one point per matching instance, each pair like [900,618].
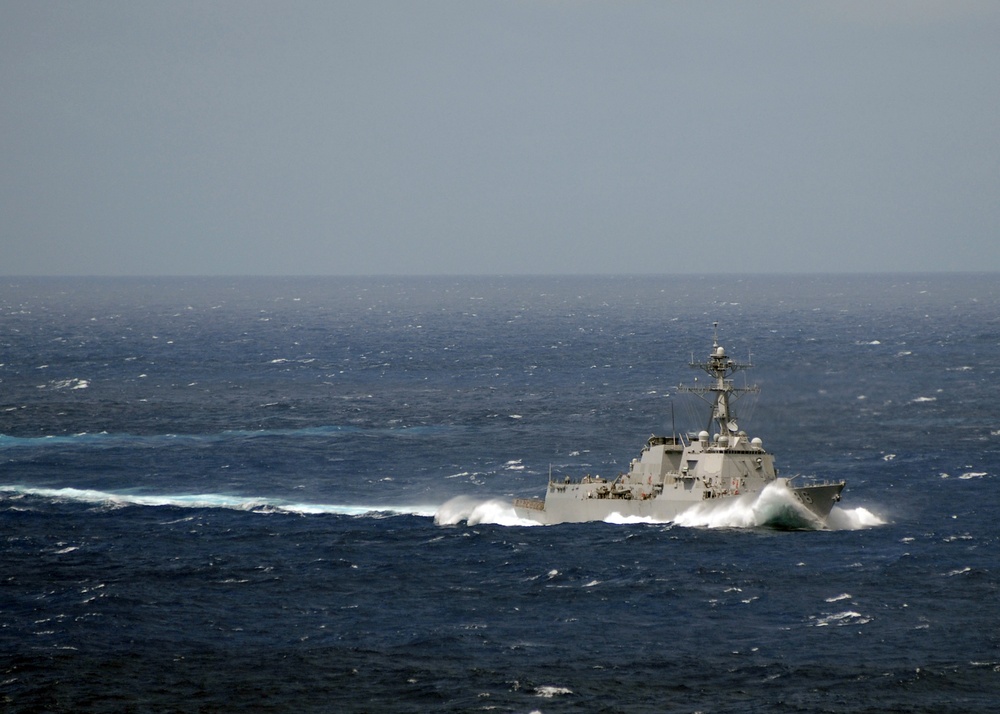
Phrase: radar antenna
[721,392]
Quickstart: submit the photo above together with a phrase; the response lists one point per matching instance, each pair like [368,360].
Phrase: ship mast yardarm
[720,367]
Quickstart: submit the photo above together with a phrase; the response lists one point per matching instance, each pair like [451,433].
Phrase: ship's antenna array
[720,391]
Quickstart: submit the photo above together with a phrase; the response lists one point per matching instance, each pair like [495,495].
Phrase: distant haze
[545,137]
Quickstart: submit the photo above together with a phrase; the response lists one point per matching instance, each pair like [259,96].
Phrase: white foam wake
[213,500]
[621,520]
[774,506]
[476,510]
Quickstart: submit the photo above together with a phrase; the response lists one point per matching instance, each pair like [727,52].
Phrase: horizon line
[810,273]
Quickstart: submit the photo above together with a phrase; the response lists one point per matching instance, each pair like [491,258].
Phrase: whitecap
[972,474]
[955,538]
[549,691]
[73,383]
[848,617]
[838,598]
[921,400]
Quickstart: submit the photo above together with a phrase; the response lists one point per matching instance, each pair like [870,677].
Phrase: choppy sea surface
[290,495]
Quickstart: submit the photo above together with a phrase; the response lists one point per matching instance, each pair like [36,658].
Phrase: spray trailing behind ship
[676,476]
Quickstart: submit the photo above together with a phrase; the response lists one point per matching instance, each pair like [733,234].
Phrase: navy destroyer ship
[676,473]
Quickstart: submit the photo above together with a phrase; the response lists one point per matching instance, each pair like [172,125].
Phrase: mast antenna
[673,426]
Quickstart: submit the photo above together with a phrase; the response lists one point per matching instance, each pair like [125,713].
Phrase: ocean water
[290,495]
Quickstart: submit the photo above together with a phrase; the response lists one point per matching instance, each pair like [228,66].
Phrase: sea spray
[852,519]
[775,507]
[476,510]
[728,513]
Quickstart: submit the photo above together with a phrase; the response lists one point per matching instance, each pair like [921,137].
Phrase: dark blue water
[219,495]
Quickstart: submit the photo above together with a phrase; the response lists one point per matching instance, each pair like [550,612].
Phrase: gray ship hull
[806,506]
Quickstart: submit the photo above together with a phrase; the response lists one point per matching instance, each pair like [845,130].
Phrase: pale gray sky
[149,137]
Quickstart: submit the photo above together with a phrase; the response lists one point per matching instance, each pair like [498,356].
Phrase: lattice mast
[721,392]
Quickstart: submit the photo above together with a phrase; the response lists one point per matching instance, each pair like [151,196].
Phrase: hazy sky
[169,137]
